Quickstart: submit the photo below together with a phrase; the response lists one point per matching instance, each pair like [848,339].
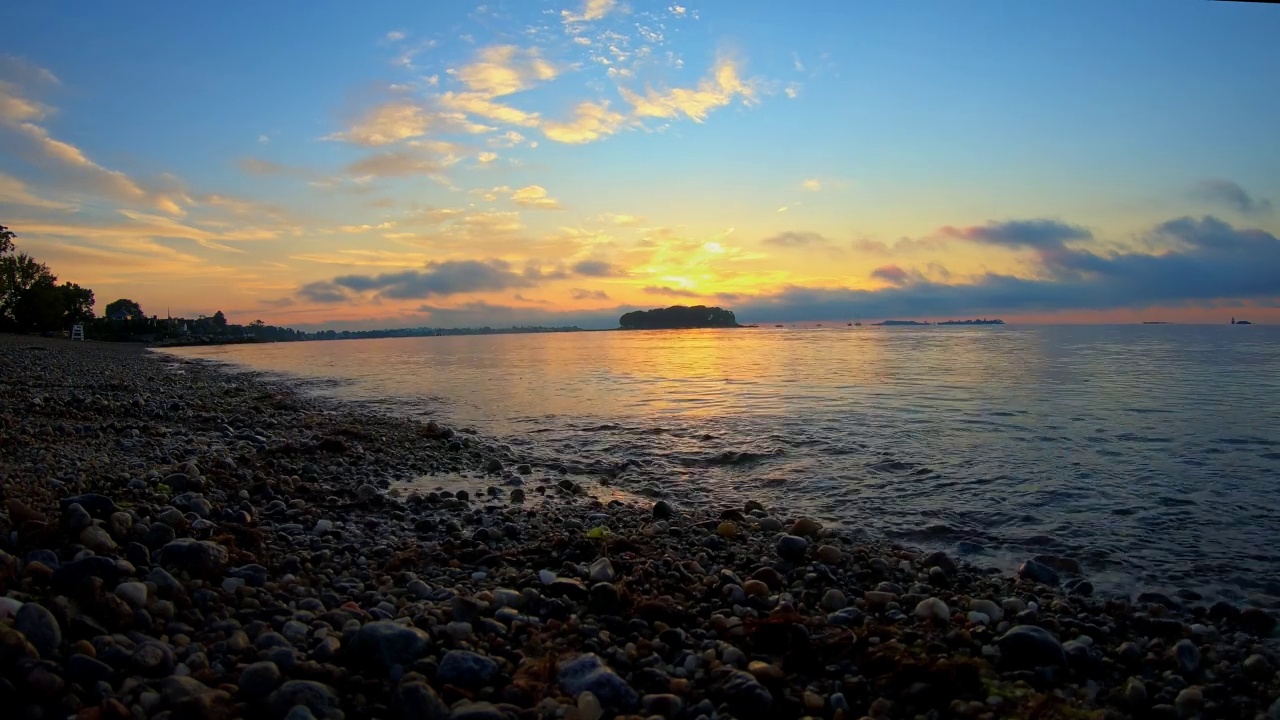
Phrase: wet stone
[588,673]
[466,669]
[40,628]
[1028,647]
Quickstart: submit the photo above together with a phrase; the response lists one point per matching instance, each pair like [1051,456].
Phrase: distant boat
[849,324]
[1240,322]
[777,326]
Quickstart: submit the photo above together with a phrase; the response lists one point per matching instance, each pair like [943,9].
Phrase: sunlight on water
[1148,452]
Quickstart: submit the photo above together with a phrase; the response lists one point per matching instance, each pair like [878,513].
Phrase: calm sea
[1150,453]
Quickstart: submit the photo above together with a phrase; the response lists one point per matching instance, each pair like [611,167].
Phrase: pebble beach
[178,540]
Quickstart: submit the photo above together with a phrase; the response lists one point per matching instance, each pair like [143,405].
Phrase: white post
[77,331]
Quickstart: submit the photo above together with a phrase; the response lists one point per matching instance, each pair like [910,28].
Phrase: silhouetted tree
[20,274]
[678,316]
[124,305]
[220,320]
[77,303]
[6,240]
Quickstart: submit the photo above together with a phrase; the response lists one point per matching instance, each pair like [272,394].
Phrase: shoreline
[257,563]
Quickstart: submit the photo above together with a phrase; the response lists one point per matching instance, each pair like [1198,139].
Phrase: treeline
[31,300]
[679,316]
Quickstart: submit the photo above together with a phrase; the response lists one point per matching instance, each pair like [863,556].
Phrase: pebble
[316,697]
[829,554]
[662,510]
[933,609]
[1028,647]
[745,695]
[134,593]
[589,708]
[806,527]
[602,571]
[588,673]
[97,540]
[1135,693]
[792,548]
[1258,667]
[419,701]
[993,611]
[1187,656]
[388,643]
[76,517]
[727,530]
[40,628]
[833,599]
[466,669]
[259,679]
[1036,572]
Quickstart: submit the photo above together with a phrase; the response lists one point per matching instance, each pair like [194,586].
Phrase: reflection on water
[1148,452]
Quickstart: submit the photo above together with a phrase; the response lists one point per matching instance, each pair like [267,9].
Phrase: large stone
[1027,647]
[1187,656]
[99,506]
[196,557]
[40,628]
[418,701]
[259,679]
[792,548]
[941,560]
[662,510]
[1037,572]
[588,673]
[154,659]
[319,698]
[466,669]
[70,575]
[745,695]
[993,611]
[806,527]
[933,609]
[602,571]
[387,644]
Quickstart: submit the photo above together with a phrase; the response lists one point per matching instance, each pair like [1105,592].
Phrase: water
[1149,453]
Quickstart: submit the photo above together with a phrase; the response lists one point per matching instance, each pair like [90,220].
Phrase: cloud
[591,10]
[624,220]
[323,292]
[508,139]
[506,69]
[598,268]
[580,294]
[591,121]
[1021,233]
[484,106]
[792,90]
[485,158]
[386,124]
[1230,195]
[450,277]
[258,166]
[397,163]
[666,291]
[891,274]
[394,36]
[712,92]
[534,196]
[14,192]
[796,239]
[811,184]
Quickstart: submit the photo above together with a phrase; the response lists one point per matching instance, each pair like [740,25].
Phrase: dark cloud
[796,239]
[1021,233]
[396,163]
[1230,195]
[891,274]
[581,294]
[323,292]
[452,277]
[671,292]
[597,268]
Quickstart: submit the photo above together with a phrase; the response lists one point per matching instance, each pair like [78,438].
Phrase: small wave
[728,458]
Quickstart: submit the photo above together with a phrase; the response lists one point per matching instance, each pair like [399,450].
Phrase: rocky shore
[180,541]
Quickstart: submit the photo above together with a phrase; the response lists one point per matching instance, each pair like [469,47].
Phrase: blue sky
[795,161]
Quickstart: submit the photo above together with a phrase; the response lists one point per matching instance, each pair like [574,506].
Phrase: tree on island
[220,320]
[678,316]
[126,308]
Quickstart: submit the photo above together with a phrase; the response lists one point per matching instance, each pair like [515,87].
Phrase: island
[678,317]
[1240,322]
[914,323]
[983,321]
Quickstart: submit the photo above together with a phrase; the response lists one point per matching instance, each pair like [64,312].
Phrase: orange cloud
[591,121]
[712,92]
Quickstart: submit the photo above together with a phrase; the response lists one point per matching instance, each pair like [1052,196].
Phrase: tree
[131,309]
[679,316]
[220,320]
[39,307]
[257,324]
[19,274]
[6,240]
[77,304]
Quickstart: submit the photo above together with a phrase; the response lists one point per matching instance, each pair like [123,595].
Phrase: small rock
[829,554]
[1258,668]
[792,548]
[727,530]
[933,609]
[589,707]
[877,599]
[1135,693]
[197,557]
[418,701]
[941,560]
[465,669]
[988,608]
[806,527]
[587,673]
[387,643]
[97,540]
[319,698]
[40,628]
[833,600]
[1189,701]
[1187,656]
[602,571]
[1036,572]
[76,517]
[1027,647]
[745,695]
[259,679]
[662,510]
[367,493]
[134,593]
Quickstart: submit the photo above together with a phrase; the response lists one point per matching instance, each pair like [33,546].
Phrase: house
[119,315]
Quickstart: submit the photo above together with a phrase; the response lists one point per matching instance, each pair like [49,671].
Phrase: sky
[399,164]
